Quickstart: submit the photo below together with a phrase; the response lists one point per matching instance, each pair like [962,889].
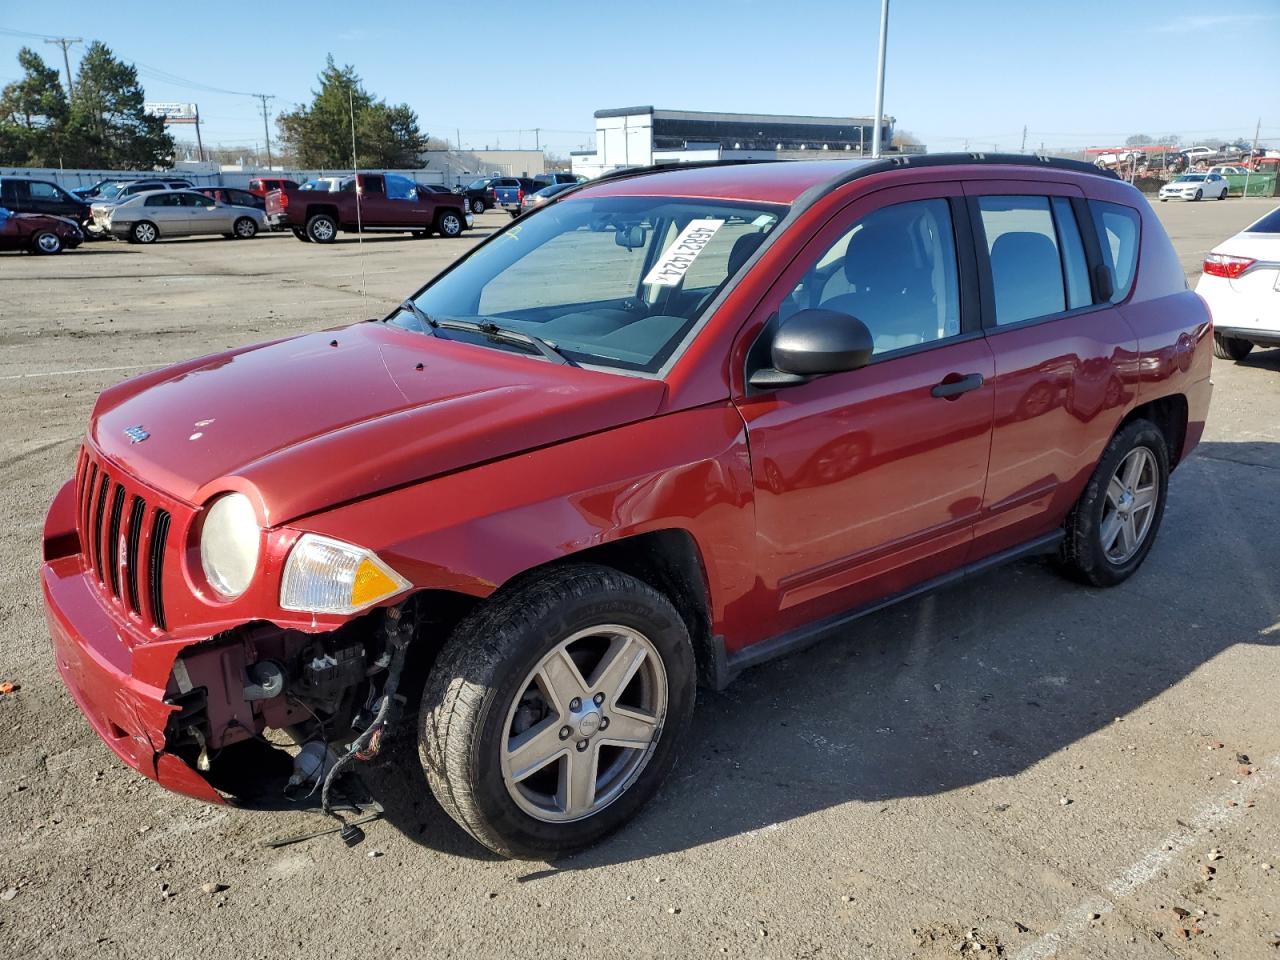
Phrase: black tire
[514,213]
[480,672]
[1222,195]
[1082,556]
[244,228]
[1230,348]
[449,223]
[144,231]
[322,228]
[46,243]
[1199,195]
[300,234]
[477,206]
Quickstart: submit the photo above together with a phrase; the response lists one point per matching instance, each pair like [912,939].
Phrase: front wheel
[449,223]
[1111,528]
[46,242]
[1199,195]
[144,232]
[1230,348]
[555,710]
[477,206]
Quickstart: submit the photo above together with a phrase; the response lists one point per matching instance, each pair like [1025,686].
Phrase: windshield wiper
[490,329]
[495,332]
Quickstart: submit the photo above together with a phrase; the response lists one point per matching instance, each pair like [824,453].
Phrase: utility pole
[264,97]
[457,138]
[64,43]
[199,143]
[1023,148]
[884,41]
[537,138]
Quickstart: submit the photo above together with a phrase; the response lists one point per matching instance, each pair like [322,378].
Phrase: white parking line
[1213,814]
[69,373]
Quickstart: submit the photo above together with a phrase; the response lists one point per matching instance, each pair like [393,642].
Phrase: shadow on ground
[972,683]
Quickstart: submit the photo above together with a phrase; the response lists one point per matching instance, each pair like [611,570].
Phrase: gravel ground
[1016,767]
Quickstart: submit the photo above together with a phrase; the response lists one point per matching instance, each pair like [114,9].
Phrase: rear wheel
[555,710]
[1230,348]
[144,232]
[1111,528]
[449,223]
[46,242]
[245,229]
[322,228]
[1223,194]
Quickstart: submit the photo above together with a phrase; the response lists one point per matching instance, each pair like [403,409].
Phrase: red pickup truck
[370,202]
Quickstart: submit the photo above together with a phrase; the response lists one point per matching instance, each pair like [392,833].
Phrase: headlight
[323,575]
[229,541]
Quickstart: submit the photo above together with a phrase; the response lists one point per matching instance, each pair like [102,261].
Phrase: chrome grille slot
[155,569]
[99,508]
[111,555]
[133,544]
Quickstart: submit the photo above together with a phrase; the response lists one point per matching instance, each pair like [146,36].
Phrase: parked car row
[481,195]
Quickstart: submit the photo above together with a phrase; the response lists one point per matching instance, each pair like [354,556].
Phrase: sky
[958,75]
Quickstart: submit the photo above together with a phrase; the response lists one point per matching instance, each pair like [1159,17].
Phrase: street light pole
[884,41]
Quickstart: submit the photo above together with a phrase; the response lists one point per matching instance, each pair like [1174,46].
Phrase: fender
[474,530]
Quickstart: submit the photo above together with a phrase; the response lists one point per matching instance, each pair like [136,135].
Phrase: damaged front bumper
[190,709]
[118,682]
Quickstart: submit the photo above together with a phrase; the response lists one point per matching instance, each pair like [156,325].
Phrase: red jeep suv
[669,425]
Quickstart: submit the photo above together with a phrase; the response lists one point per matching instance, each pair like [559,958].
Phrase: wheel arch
[1170,414]
[668,560]
[318,209]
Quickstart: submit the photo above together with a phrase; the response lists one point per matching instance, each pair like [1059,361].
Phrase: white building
[644,136]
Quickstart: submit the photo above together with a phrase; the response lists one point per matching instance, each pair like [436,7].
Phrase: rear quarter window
[1119,230]
[1268,224]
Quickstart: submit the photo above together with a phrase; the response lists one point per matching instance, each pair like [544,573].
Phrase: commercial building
[643,136]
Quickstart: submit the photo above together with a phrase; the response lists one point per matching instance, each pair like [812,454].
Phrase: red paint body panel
[800,502]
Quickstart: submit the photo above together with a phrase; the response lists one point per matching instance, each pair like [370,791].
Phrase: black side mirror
[813,343]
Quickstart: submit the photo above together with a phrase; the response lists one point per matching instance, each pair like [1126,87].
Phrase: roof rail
[906,160]
[882,165]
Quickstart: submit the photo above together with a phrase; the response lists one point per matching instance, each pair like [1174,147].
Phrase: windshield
[111,191]
[613,281]
[1189,179]
[478,184]
[322,185]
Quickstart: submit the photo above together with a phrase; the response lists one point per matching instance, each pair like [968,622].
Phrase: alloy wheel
[48,243]
[1130,505]
[584,723]
[145,233]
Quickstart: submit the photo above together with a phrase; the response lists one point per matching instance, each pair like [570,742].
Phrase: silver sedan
[148,217]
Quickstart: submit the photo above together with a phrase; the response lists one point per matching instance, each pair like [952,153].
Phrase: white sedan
[1241,285]
[1194,186]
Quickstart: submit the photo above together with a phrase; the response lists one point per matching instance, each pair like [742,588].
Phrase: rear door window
[400,188]
[1026,261]
[1118,229]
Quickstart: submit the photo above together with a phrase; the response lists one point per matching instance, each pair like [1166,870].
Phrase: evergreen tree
[108,126]
[319,135]
[33,115]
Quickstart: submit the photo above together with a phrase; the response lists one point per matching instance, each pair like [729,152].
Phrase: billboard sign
[173,112]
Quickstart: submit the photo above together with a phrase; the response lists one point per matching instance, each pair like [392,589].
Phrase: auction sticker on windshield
[679,257]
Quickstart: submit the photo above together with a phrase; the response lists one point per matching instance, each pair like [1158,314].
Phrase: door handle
[951,388]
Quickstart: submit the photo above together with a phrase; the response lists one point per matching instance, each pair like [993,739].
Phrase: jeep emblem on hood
[136,434]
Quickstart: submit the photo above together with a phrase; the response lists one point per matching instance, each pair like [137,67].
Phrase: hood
[307,424]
